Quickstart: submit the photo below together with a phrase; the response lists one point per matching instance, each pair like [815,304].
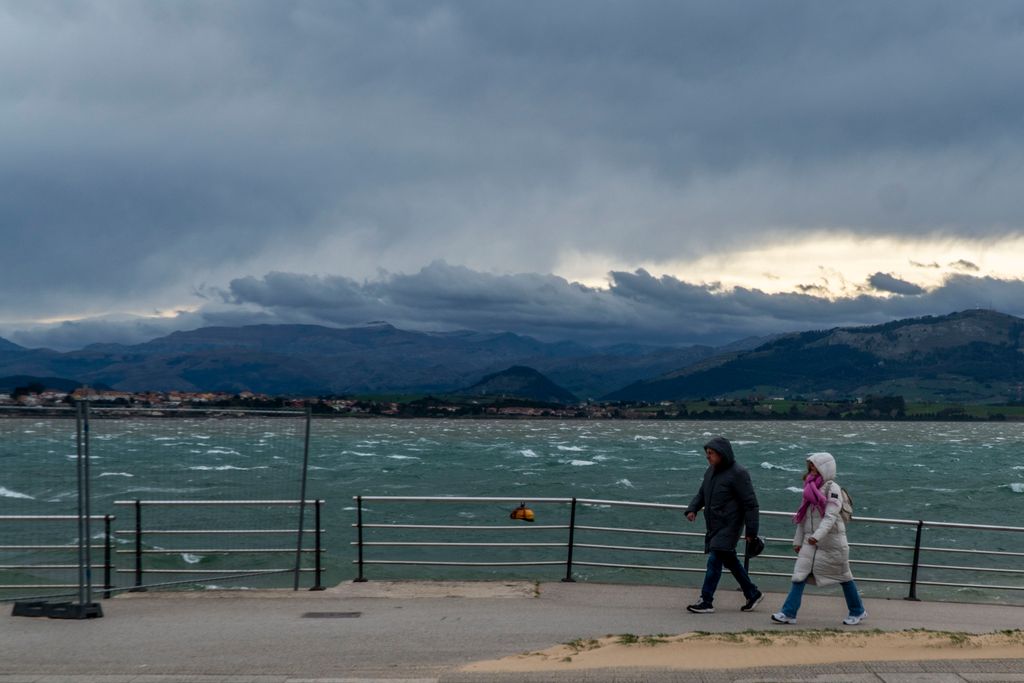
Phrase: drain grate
[332,615]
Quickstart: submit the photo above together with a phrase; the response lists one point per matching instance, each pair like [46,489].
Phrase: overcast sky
[671,171]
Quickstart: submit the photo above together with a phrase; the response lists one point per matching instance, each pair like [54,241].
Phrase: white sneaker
[854,620]
[780,618]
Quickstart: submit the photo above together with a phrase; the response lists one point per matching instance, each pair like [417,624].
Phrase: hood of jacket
[825,464]
[724,448]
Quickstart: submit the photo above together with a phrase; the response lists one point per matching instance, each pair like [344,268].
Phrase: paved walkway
[417,631]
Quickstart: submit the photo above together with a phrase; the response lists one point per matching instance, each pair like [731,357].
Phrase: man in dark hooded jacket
[727,497]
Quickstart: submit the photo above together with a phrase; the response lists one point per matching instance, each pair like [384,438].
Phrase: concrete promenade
[426,631]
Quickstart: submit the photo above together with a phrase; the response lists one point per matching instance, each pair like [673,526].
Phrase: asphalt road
[380,631]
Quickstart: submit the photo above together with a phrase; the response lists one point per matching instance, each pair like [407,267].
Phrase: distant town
[721,408]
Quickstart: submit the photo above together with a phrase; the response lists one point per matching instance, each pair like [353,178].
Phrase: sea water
[946,472]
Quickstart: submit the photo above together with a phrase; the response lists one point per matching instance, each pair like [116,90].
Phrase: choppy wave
[528,453]
[403,457]
[794,489]
[772,466]
[1016,487]
[574,449]
[581,463]
[625,482]
[116,474]
[7,493]
[222,451]
[191,558]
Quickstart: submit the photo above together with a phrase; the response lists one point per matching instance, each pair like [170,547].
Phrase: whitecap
[528,453]
[743,443]
[794,489]
[116,474]
[642,437]
[7,493]
[1017,487]
[575,449]
[222,451]
[191,559]
[217,468]
[625,482]
[404,457]
[771,466]
[581,463]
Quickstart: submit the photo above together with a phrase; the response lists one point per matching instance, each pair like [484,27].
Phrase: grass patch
[652,640]
[581,644]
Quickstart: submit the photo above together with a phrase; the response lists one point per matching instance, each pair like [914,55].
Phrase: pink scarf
[812,496]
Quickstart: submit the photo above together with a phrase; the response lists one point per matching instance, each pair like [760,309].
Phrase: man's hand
[748,539]
[691,516]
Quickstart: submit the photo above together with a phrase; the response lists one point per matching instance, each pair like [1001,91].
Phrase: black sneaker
[753,602]
[700,608]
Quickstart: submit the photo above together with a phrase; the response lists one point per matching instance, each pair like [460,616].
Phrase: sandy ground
[759,649]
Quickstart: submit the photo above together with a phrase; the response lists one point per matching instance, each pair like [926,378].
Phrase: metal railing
[910,568]
[139,552]
[107,565]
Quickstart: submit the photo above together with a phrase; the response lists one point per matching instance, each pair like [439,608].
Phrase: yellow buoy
[522,512]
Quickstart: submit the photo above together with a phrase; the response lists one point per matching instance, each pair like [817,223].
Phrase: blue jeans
[796,594]
[727,558]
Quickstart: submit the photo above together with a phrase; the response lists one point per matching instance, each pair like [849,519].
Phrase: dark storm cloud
[147,148]
[885,282]
[637,307]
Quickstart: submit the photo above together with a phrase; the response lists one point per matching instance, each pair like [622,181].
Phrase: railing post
[138,548]
[107,565]
[572,532]
[317,586]
[83,537]
[87,519]
[359,537]
[302,498]
[913,569]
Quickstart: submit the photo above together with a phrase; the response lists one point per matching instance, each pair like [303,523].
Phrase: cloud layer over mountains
[636,308]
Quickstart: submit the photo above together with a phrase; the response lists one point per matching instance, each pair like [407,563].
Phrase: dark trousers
[725,558]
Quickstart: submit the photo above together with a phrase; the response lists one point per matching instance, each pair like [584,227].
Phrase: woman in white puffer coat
[820,542]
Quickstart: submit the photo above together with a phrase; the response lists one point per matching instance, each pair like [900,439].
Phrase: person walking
[823,554]
[727,497]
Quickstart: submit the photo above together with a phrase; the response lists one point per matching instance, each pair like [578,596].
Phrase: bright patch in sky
[822,264]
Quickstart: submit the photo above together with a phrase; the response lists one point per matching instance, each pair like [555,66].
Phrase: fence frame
[138,552]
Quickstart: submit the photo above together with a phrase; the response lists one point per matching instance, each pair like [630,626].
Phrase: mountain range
[969,356]
[370,359]
[974,356]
